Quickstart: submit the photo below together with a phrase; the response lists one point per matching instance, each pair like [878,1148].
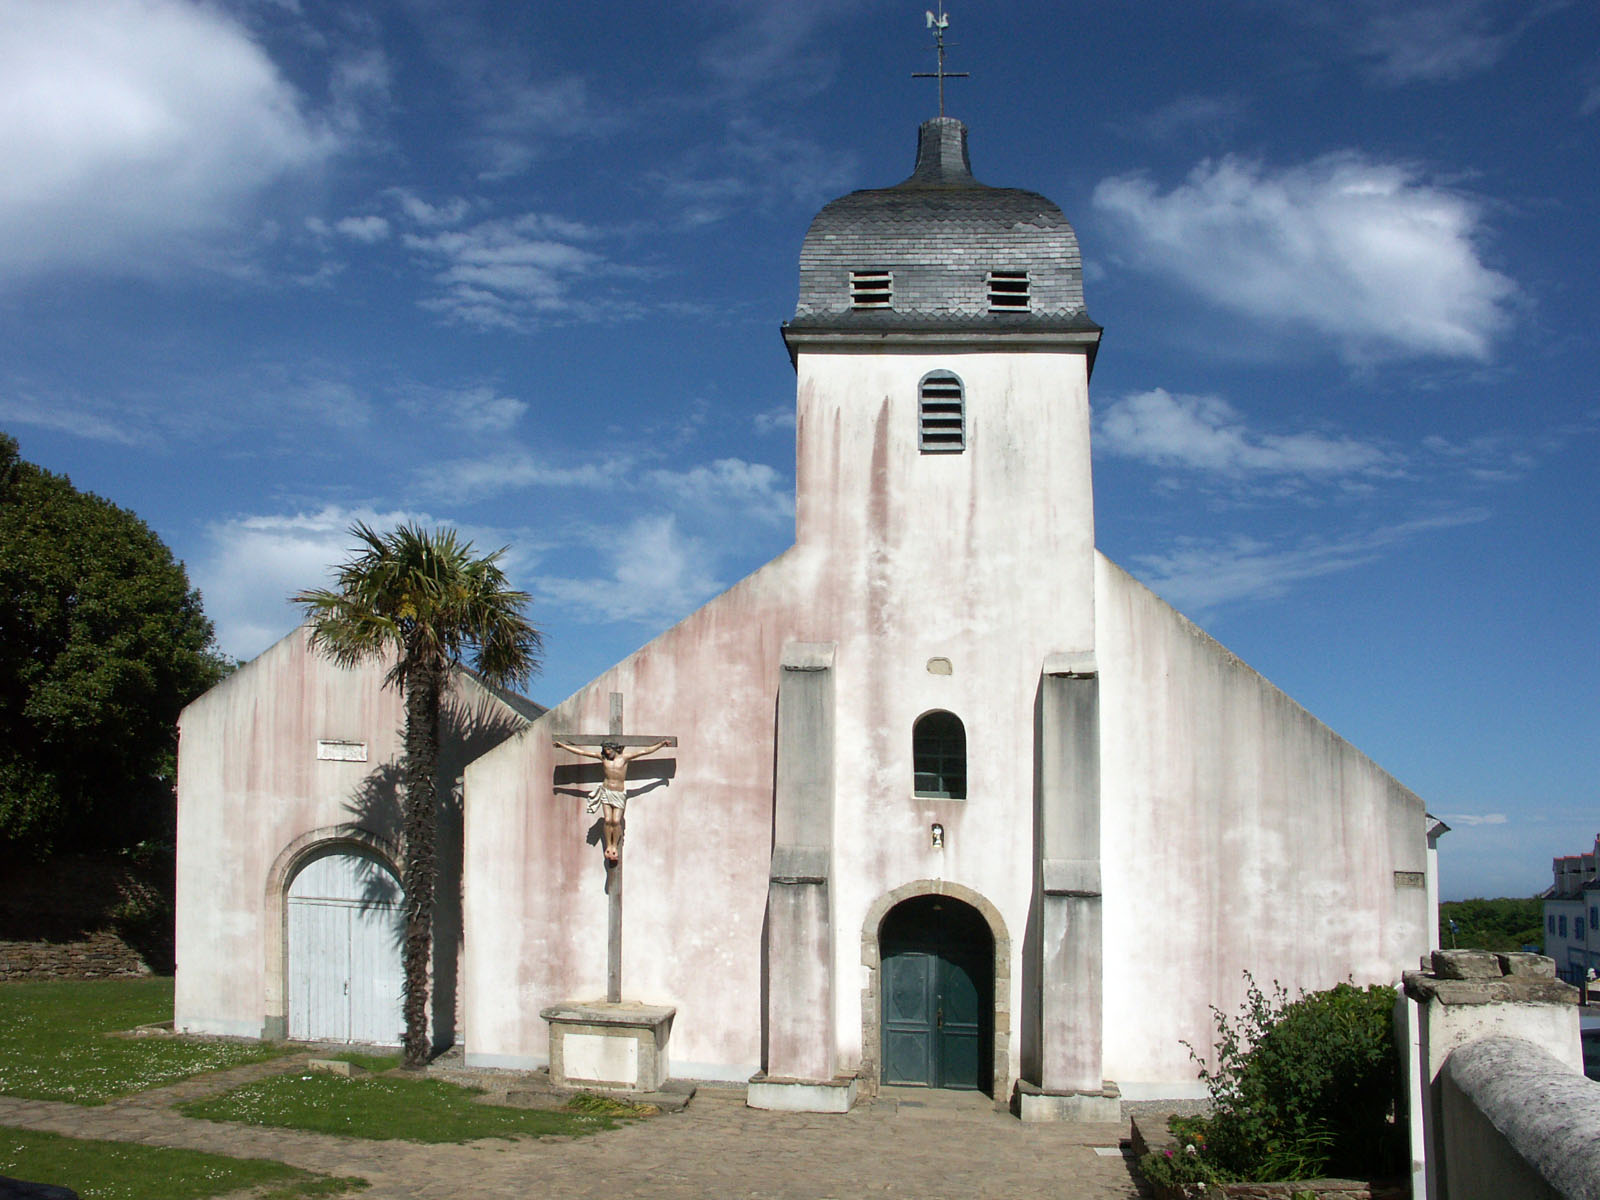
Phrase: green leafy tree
[422,600]
[102,643]
[1503,924]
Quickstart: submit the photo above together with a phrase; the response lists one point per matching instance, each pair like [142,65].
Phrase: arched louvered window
[941,414]
[939,756]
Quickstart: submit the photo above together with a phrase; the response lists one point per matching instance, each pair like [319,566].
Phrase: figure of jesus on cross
[611,793]
[615,751]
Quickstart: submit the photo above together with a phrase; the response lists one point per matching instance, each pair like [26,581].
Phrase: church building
[955,801]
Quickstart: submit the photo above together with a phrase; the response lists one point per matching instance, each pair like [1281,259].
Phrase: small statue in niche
[610,795]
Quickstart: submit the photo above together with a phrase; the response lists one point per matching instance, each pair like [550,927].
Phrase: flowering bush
[1299,1088]
[1187,1165]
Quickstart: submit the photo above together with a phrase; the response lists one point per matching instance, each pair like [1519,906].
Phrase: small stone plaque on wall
[339,751]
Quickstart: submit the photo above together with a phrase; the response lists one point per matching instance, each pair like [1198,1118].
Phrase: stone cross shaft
[614,870]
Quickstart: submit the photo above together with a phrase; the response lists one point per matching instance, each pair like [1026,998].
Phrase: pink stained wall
[251,788]
[984,558]
[1237,832]
[249,783]
[696,852]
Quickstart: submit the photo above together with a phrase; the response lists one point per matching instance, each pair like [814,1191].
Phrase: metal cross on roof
[939,24]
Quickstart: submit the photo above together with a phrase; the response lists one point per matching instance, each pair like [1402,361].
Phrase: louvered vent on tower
[942,413]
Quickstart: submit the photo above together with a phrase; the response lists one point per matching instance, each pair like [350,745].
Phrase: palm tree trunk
[424,683]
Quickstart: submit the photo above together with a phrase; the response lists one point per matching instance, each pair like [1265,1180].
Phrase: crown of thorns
[614,747]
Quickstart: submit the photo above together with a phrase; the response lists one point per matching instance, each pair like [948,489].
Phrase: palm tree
[423,599]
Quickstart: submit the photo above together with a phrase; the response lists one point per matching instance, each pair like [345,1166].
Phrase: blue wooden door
[933,1016]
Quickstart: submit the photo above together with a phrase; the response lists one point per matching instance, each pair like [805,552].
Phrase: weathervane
[939,24]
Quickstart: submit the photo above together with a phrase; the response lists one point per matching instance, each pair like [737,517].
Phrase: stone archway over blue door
[938,995]
[346,932]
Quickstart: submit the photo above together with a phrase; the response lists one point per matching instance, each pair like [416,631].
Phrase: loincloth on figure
[604,795]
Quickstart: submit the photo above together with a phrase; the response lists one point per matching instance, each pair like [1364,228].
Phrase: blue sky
[269,268]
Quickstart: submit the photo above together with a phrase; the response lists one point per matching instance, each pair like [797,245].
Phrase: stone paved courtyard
[914,1144]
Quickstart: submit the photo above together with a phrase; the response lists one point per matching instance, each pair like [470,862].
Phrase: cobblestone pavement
[921,1145]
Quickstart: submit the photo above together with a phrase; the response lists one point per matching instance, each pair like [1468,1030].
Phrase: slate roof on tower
[941,252]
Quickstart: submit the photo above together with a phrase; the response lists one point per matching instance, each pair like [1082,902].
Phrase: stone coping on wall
[1547,1113]
[1485,977]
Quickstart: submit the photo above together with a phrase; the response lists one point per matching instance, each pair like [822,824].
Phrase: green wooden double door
[938,996]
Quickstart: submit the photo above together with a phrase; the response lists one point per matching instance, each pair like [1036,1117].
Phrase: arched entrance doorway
[938,957]
[346,930]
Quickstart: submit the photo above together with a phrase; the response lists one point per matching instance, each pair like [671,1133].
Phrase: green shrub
[1304,1087]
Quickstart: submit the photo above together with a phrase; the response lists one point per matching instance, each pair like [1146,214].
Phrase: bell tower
[943,352]
[945,524]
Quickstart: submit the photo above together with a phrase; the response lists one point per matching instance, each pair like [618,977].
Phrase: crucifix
[614,755]
[939,24]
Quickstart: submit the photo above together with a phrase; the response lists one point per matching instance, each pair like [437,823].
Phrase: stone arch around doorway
[329,839]
[871,1077]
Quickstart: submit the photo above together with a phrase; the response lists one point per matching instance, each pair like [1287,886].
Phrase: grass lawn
[123,1171]
[52,1043]
[399,1106]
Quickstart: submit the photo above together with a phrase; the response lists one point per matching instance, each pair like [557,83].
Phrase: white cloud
[1205,433]
[773,49]
[657,573]
[254,564]
[450,212]
[128,124]
[1359,251]
[328,403]
[500,273]
[1433,42]
[484,410]
[779,417]
[755,164]
[512,470]
[364,229]
[1499,455]
[1199,576]
[72,419]
[475,409]
[754,491]
[1473,818]
[518,118]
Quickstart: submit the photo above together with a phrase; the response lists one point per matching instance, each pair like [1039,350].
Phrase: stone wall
[101,955]
[1150,1135]
[1518,1123]
[85,917]
[1500,1106]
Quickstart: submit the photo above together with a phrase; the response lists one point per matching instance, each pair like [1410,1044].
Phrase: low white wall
[1518,1123]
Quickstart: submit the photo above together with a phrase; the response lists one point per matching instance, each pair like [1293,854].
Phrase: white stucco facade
[1235,832]
[290,758]
[1145,818]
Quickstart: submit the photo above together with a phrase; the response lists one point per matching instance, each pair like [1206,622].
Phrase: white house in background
[1572,914]
[955,798]
[288,893]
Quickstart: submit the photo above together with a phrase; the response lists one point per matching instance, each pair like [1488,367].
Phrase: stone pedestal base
[616,1047]
[1036,1104]
[834,1095]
